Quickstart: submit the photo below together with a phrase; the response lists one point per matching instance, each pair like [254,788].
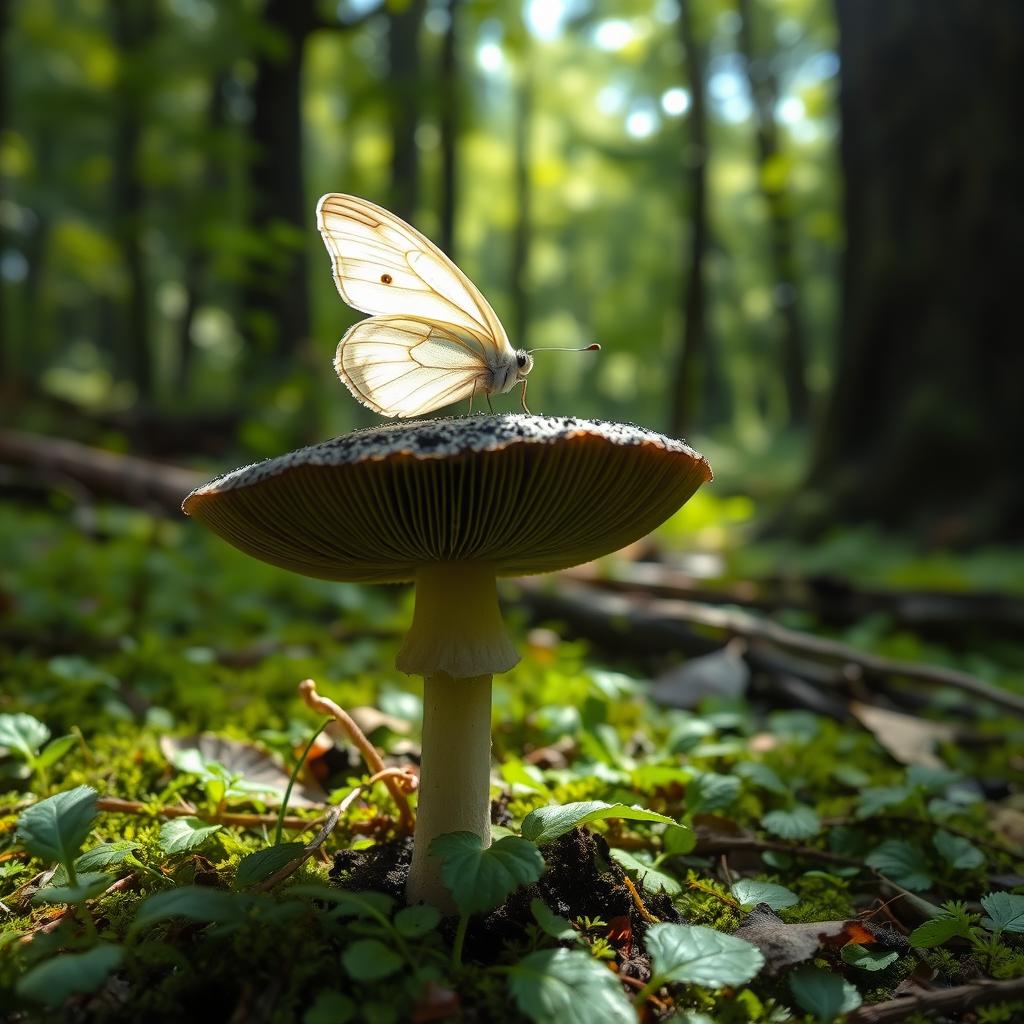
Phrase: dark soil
[581,880]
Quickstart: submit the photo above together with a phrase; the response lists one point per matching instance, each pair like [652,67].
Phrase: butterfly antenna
[586,348]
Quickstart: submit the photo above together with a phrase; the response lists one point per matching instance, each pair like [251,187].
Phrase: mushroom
[453,504]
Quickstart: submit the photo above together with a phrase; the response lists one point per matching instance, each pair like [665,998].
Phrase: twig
[326,706]
[329,825]
[906,819]
[638,902]
[962,997]
[115,805]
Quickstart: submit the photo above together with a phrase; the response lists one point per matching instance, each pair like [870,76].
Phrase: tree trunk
[926,415]
[276,302]
[764,90]
[133,28]
[405,87]
[690,366]
[522,232]
[449,127]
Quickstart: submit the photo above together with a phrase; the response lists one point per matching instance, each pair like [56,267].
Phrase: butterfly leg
[525,409]
[489,406]
[472,395]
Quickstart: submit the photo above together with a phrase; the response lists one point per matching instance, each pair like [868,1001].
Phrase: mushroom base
[455,777]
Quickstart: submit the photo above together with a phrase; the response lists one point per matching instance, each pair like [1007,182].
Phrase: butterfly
[431,338]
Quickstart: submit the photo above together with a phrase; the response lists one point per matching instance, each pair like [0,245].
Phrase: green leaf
[55,750]
[255,867]
[195,903]
[568,986]
[937,931]
[798,822]
[412,922]
[701,956]
[901,861]
[547,823]
[106,854]
[330,1007]
[553,924]
[52,981]
[761,775]
[88,885]
[957,851]
[750,893]
[823,994]
[711,792]
[22,734]
[481,879]
[56,827]
[370,960]
[1005,912]
[867,960]
[648,876]
[678,840]
[179,835]
[874,799]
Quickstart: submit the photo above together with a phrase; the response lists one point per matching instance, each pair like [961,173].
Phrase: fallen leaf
[260,772]
[784,945]
[724,673]
[910,740]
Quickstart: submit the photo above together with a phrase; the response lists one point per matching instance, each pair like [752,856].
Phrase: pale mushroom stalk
[456,642]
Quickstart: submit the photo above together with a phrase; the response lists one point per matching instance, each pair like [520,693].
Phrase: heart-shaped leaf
[701,956]
[796,822]
[750,892]
[480,879]
[370,960]
[823,994]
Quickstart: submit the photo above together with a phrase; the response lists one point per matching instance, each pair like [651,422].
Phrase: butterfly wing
[405,365]
[384,266]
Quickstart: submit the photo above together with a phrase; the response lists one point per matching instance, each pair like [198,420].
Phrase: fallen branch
[670,624]
[934,1003]
[142,482]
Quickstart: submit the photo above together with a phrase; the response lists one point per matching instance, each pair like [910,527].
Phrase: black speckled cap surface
[524,493]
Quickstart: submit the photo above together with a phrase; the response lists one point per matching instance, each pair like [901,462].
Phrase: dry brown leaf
[784,945]
[910,740]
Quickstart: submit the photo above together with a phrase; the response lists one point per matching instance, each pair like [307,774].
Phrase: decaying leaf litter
[845,866]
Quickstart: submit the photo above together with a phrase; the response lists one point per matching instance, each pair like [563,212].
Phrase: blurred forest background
[795,226]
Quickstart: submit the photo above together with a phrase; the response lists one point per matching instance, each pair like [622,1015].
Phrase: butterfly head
[524,363]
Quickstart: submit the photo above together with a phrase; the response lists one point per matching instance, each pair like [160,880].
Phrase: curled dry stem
[326,706]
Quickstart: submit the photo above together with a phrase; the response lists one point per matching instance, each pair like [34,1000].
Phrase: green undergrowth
[119,634]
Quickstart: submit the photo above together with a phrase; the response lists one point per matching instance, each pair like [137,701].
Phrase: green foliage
[750,893]
[824,995]
[547,823]
[179,835]
[1005,911]
[481,879]
[565,986]
[55,828]
[52,981]
[700,956]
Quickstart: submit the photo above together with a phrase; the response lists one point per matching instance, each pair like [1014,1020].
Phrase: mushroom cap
[526,494]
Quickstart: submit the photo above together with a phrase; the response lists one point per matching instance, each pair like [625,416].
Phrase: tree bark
[133,28]
[926,416]
[691,363]
[405,88]
[764,90]
[449,127]
[276,302]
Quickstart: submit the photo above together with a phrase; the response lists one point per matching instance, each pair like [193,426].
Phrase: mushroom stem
[455,777]
[457,641]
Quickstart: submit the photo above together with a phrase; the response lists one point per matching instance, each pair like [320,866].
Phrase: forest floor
[740,799]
